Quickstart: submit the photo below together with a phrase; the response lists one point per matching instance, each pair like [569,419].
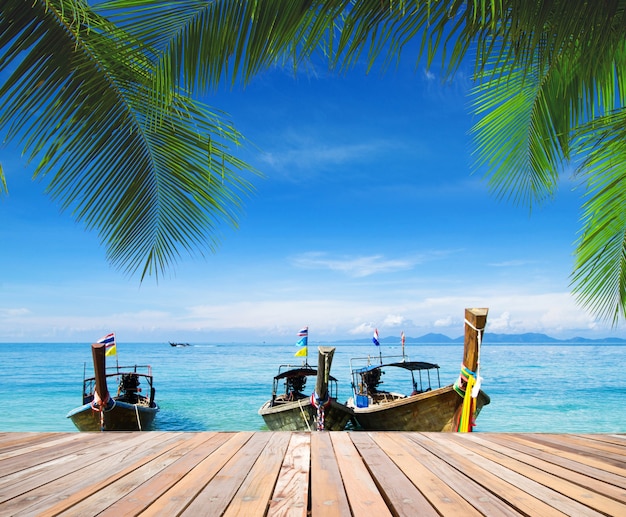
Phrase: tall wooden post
[98,351]
[476,319]
[325,361]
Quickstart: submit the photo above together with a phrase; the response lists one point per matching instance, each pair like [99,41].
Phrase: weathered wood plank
[328,496]
[19,441]
[254,494]
[591,448]
[561,448]
[103,491]
[178,497]
[291,493]
[403,498]
[66,489]
[563,485]
[527,448]
[64,464]
[300,474]
[218,493]
[16,460]
[141,497]
[565,469]
[363,495]
[547,501]
[468,486]
[435,489]
[64,493]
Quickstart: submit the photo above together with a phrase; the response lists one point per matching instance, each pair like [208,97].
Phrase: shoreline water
[557,388]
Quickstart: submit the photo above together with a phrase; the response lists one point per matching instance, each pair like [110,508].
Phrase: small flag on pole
[303,334]
[375,338]
[302,352]
[109,342]
[402,337]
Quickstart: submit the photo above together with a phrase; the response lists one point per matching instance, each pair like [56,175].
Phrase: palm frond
[599,278]
[203,43]
[79,97]
[517,138]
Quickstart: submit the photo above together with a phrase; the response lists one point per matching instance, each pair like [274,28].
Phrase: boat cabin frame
[366,379]
[293,380]
[128,381]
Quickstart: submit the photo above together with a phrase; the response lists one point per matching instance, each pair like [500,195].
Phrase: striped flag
[109,342]
[375,338]
[303,334]
[402,337]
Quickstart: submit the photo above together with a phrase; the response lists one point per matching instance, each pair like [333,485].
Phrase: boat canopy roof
[300,372]
[407,365]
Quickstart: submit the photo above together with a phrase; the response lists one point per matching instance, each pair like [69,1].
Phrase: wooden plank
[438,493]
[615,439]
[529,449]
[174,500]
[363,495]
[140,498]
[575,472]
[592,448]
[470,488]
[328,496]
[254,494]
[546,501]
[104,495]
[402,497]
[33,454]
[217,494]
[291,493]
[596,442]
[19,441]
[352,473]
[64,464]
[562,485]
[560,448]
[70,491]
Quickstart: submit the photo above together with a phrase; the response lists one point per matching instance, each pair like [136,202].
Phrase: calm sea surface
[533,388]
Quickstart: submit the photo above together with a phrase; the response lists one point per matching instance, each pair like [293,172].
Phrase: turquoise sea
[533,388]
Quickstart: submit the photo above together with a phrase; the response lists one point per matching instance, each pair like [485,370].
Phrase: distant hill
[490,337]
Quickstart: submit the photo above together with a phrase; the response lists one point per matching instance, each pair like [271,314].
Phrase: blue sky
[368,217]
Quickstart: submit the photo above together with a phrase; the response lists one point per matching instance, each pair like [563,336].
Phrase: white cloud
[354,266]
[513,263]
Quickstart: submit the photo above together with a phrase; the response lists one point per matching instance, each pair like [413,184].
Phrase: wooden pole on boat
[98,351]
[321,398]
[325,359]
[475,321]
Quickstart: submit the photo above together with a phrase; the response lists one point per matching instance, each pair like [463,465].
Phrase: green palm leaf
[79,95]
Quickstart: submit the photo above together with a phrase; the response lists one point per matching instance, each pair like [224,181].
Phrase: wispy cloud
[513,263]
[312,155]
[356,267]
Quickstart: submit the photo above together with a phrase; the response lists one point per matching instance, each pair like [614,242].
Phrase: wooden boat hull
[301,415]
[122,417]
[425,412]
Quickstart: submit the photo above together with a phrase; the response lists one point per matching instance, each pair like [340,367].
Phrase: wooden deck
[326,473]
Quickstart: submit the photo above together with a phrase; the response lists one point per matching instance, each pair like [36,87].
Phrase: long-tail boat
[426,407]
[291,409]
[128,410]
